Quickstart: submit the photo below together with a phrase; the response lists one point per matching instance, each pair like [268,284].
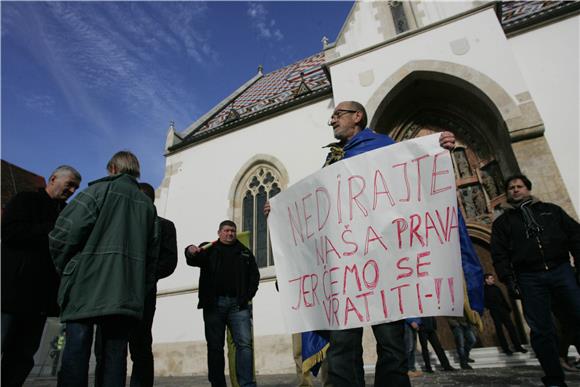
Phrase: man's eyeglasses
[339,113]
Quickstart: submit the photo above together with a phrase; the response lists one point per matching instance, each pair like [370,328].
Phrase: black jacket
[210,261]
[29,279]
[495,301]
[512,251]
[167,260]
[428,324]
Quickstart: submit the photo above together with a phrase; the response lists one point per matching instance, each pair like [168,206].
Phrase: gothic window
[258,185]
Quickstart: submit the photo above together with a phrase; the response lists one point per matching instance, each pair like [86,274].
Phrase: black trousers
[140,342]
[21,335]
[431,336]
[345,361]
[502,319]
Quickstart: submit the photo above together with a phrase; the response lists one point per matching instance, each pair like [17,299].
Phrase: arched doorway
[428,102]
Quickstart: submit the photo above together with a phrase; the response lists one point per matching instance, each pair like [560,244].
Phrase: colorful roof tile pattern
[516,13]
[270,90]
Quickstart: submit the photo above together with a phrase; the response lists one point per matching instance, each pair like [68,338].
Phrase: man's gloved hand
[513,288]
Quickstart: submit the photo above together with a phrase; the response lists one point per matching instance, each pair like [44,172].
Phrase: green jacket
[104,247]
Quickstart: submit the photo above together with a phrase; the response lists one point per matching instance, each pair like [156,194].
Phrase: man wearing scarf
[531,243]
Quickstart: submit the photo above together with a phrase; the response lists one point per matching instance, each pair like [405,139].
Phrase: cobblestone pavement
[488,377]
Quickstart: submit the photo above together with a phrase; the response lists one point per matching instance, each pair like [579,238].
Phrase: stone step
[492,357]
[488,357]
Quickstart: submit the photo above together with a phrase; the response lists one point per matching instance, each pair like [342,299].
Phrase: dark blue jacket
[364,141]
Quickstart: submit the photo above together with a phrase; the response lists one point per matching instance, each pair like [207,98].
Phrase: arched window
[261,182]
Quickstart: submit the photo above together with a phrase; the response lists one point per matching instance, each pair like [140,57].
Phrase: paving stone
[528,376]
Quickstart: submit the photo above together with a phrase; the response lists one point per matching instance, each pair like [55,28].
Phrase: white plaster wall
[197,200]
[177,318]
[361,29]
[489,53]
[430,11]
[549,58]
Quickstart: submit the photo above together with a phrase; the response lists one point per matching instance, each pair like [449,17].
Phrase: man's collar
[362,135]
[113,177]
[236,242]
[337,144]
[518,203]
[44,193]
[512,206]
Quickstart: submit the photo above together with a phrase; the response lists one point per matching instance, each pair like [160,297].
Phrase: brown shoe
[414,373]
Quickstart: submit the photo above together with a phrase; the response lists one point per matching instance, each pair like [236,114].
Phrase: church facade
[502,76]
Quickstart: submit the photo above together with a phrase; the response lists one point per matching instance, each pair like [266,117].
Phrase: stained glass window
[259,185]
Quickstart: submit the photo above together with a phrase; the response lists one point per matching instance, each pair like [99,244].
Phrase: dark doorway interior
[426,103]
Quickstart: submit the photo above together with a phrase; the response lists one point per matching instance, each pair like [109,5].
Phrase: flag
[314,348]
[472,270]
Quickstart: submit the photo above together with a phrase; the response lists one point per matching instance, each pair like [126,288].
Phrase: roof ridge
[294,63]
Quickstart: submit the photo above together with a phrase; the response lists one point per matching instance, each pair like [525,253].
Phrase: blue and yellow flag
[472,270]
[314,348]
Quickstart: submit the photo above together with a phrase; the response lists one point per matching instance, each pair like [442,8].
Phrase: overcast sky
[82,80]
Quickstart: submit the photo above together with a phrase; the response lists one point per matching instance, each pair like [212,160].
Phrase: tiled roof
[283,85]
[16,179]
[517,14]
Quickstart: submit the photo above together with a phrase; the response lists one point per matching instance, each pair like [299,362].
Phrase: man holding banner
[345,280]
[348,122]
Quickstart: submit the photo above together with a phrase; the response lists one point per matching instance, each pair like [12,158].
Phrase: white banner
[370,239]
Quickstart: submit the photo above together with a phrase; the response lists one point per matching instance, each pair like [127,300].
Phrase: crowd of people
[95,263]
